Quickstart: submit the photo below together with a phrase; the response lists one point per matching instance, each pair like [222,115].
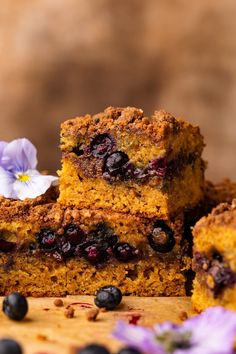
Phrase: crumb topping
[223,215]
[157,127]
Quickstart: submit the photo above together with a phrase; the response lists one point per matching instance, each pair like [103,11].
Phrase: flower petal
[137,337]
[19,155]
[36,185]
[6,184]
[3,144]
[213,332]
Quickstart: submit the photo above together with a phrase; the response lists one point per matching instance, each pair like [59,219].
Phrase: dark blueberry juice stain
[134,319]
[85,305]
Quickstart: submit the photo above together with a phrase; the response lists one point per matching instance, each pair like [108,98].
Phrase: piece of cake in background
[221,192]
[51,250]
[214,258]
[214,194]
[121,160]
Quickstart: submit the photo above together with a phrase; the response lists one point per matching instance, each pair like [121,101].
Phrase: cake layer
[32,275]
[183,192]
[126,162]
[149,277]
[214,259]
[76,251]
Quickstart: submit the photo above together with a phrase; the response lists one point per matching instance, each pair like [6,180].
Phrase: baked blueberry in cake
[77,251]
[214,258]
[123,161]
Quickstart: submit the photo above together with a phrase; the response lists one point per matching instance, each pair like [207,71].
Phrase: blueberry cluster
[97,246]
[216,267]
[116,164]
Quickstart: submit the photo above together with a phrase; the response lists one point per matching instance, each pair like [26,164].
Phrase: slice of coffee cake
[51,250]
[121,160]
[215,258]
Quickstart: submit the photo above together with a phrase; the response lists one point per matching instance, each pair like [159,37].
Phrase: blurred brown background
[61,58]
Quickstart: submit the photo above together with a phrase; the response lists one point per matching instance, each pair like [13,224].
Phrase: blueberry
[47,239]
[140,174]
[102,145]
[6,246]
[108,296]
[162,237]
[74,234]
[223,277]
[33,246]
[15,306]
[217,256]
[116,164]
[158,166]
[103,235]
[77,150]
[124,252]
[102,230]
[64,247]
[57,255]
[95,254]
[129,350]
[9,346]
[93,349]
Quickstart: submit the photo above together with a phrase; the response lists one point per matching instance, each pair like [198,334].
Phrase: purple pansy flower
[19,178]
[212,332]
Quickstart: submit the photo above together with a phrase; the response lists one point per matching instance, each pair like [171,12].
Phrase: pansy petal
[3,144]
[36,185]
[137,337]
[6,183]
[212,332]
[19,155]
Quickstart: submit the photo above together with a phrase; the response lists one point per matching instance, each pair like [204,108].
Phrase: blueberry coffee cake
[123,161]
[214,258]
[23,267]
[214,194]
[47,249]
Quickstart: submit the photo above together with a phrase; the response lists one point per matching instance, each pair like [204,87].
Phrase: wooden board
[46,330]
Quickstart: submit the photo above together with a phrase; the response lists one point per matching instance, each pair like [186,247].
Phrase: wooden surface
[46,330]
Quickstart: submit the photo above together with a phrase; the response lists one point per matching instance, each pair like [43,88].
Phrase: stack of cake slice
[135,177]
[125,184]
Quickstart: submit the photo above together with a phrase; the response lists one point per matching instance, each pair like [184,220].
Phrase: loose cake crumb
[58,303]
[41,337]
[69,313]
[92,314]
[183,316]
